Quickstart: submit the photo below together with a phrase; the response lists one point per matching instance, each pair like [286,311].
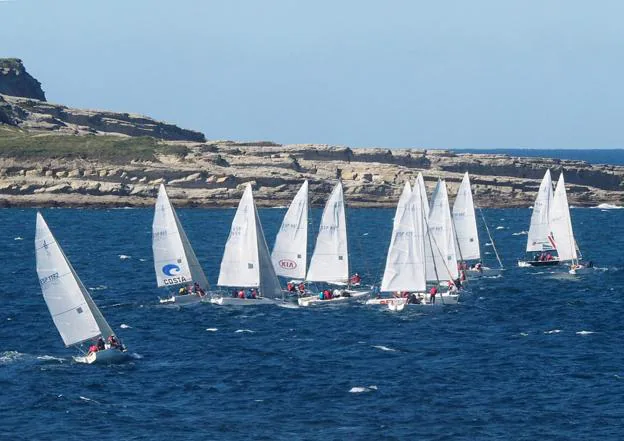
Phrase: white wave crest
[18,238]
[554,331]
[50,358]
[500,227]
[212,329]
[520,233]
[608,207]
[384,348]
[584,332]
[124,256]
[124,326]
[7,357]
[361,389]
[244,330]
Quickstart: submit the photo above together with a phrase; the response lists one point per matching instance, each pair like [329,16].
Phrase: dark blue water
[593,156]
[524,357]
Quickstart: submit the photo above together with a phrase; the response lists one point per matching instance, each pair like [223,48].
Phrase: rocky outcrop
[212,174]
[15,81]
[41,116]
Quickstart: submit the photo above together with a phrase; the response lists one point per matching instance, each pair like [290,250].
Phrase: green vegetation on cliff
[115,149]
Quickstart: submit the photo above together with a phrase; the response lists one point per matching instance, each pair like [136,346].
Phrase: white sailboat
[561,228]
[291,243]
[175,263]
[74,313]
[330,259]
[246,260]
[467,244]
[539,241]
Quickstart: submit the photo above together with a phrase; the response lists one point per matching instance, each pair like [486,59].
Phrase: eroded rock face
[212,174]
[15,81]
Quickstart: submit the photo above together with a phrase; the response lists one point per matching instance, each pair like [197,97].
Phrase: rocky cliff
[55,155]
[15,81]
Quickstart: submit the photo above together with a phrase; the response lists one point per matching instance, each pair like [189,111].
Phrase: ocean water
[531,355]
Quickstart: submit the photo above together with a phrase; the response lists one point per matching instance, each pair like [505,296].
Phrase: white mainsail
[465,223]
[330,260]
[420,186]
[174,259]
[539,231]
[74,313]
[561,224]
[246,260]
[291,244]
[441,259]
[405,263]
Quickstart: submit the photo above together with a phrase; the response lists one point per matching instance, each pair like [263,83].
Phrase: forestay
[291,244]
[175,261]
[405,263]
[74,313]
[539,231]
[441,260]
[246,260]
[561,224]
[330,260]
[465,223]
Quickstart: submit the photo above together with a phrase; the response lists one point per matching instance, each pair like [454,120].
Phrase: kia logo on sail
[170,269]
[288,264]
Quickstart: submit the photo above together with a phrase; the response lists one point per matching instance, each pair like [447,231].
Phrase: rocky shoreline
[54,155]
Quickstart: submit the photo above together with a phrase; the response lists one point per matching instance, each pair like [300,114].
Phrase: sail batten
[290,251]
[330,260]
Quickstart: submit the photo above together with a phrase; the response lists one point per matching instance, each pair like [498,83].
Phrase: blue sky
[444,74]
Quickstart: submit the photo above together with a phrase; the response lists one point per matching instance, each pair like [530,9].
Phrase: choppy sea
[527,356]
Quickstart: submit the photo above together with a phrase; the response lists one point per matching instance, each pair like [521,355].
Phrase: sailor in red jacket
[432,294]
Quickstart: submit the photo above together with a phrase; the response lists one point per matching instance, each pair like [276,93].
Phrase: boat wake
[50,358]
[8,357]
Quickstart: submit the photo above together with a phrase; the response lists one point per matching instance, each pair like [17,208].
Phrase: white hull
[443,299]
[187,299]
[232,301]
[581,270]
[314,300]
[105,356]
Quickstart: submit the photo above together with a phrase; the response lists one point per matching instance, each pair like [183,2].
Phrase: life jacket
[93,348]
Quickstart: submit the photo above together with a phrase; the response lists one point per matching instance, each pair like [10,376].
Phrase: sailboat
[246,260]
[291,243]
[330,259]
[561,230]
[540,245]
[73,311]
[466,235]
[175,263]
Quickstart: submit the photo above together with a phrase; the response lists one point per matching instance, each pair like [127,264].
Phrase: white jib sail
[441,259]
[405,263]
[465,223]
[246,260]
[330,260]
[539,230]
[420,186]
[170,261]
[561,224]
[73,311]
[291,244]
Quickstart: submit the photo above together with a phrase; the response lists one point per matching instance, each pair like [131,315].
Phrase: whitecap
[365,234]
[212,329]
[384,348]
[609,206]
[9,319]
[361,389]
[142,260]
[99,288]
[500,227]
[554,331]
[244,330]
[88,399]
[124,257]
[520,233]
[10,356]
[136,356]
[18,238]
[124,326]
[584,332]
[524,334]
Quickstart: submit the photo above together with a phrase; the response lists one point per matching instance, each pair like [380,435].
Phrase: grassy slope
[20,145]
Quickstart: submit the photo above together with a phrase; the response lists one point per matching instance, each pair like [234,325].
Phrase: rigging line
[500,263]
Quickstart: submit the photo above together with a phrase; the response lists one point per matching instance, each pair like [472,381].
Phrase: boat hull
[105,356]
[315,300]
[444,299]
[537,263]
[187,299]
[486,272]
[232,301]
